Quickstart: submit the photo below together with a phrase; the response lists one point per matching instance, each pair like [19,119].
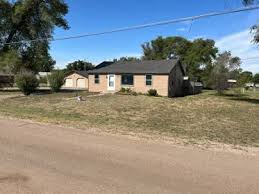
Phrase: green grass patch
[230,118]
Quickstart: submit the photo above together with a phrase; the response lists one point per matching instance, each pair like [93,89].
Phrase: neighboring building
[195,88]
[6,80]
[250,85]
[76,80]
[166,76]
[44,74]
[231,83]
[103,64]
[43,78]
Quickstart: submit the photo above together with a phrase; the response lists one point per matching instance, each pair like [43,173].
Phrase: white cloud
[240,44]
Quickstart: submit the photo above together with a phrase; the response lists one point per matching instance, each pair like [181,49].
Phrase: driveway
[38,158]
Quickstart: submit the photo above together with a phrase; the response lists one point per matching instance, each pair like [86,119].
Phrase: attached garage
[81,83]
[68,82]
[77,80]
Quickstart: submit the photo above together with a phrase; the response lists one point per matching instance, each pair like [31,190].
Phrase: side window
[149,80]
[96,79]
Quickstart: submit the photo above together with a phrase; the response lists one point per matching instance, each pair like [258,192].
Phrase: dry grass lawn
[206,117]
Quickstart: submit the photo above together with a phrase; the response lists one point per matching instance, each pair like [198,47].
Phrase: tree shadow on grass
[62,91]
[239,97]
[246,99]
[9,91]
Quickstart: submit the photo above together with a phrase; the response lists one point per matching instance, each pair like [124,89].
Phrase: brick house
[166,76]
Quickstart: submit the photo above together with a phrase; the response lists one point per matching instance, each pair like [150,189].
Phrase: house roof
[138,67]
[103,64]
[82,73]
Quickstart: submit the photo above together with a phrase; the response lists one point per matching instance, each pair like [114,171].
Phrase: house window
[127,79]
[96,79]
[149,80]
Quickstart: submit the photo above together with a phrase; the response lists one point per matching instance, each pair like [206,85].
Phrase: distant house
[44,74]
[250,85]
[166,76]
[76,80]
[231,83]
[6,80]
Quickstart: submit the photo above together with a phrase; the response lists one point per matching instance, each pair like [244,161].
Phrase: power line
[147,25]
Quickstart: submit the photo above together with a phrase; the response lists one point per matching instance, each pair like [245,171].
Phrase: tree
[56,80]
[79,66]
[126,59]
[255,28]
[37,58]
[8,61]
[245,77]
[256,78]
[223,66]
[27,82]
[165,48]
[25,20]
[200,54]
[194,54]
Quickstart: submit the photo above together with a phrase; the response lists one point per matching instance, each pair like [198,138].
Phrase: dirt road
[47,159]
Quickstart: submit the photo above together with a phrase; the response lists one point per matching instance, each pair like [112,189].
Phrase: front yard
[205,117]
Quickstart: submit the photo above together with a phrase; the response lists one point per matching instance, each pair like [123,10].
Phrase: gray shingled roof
[82,73]
[138,67]
[103,64]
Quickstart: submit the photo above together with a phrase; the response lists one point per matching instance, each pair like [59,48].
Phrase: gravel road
[37,158]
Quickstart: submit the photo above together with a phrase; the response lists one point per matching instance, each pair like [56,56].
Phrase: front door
[111,82]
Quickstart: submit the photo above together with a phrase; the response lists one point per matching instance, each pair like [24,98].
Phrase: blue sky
[230,32]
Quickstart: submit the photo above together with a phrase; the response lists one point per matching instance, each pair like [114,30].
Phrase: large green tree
[79,66]
[121,59]
[25,20]
[256,78]
[195,54]
[255,28]
[222,68]
[165,48]
[245,77]
[199,56]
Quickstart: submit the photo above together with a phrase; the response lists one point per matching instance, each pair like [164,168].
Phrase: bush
[27,82]
[56,80]
[122,90]
[134,93]
[152,92]
[237,92]
[125,90]
[43,80]
[128,90]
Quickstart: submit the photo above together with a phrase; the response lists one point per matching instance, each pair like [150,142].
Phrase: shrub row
[151,92]
[27,81]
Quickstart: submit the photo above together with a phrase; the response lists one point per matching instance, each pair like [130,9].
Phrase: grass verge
[226,119]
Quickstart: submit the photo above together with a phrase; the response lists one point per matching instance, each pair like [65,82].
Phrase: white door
[81,83]
[111,82]
[69,83]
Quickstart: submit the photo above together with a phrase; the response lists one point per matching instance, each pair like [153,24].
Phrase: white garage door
[81,83]
[69,83]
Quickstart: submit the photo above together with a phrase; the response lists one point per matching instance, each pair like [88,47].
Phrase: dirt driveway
[47,159]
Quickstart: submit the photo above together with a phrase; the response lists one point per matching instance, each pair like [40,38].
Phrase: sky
[231,32]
